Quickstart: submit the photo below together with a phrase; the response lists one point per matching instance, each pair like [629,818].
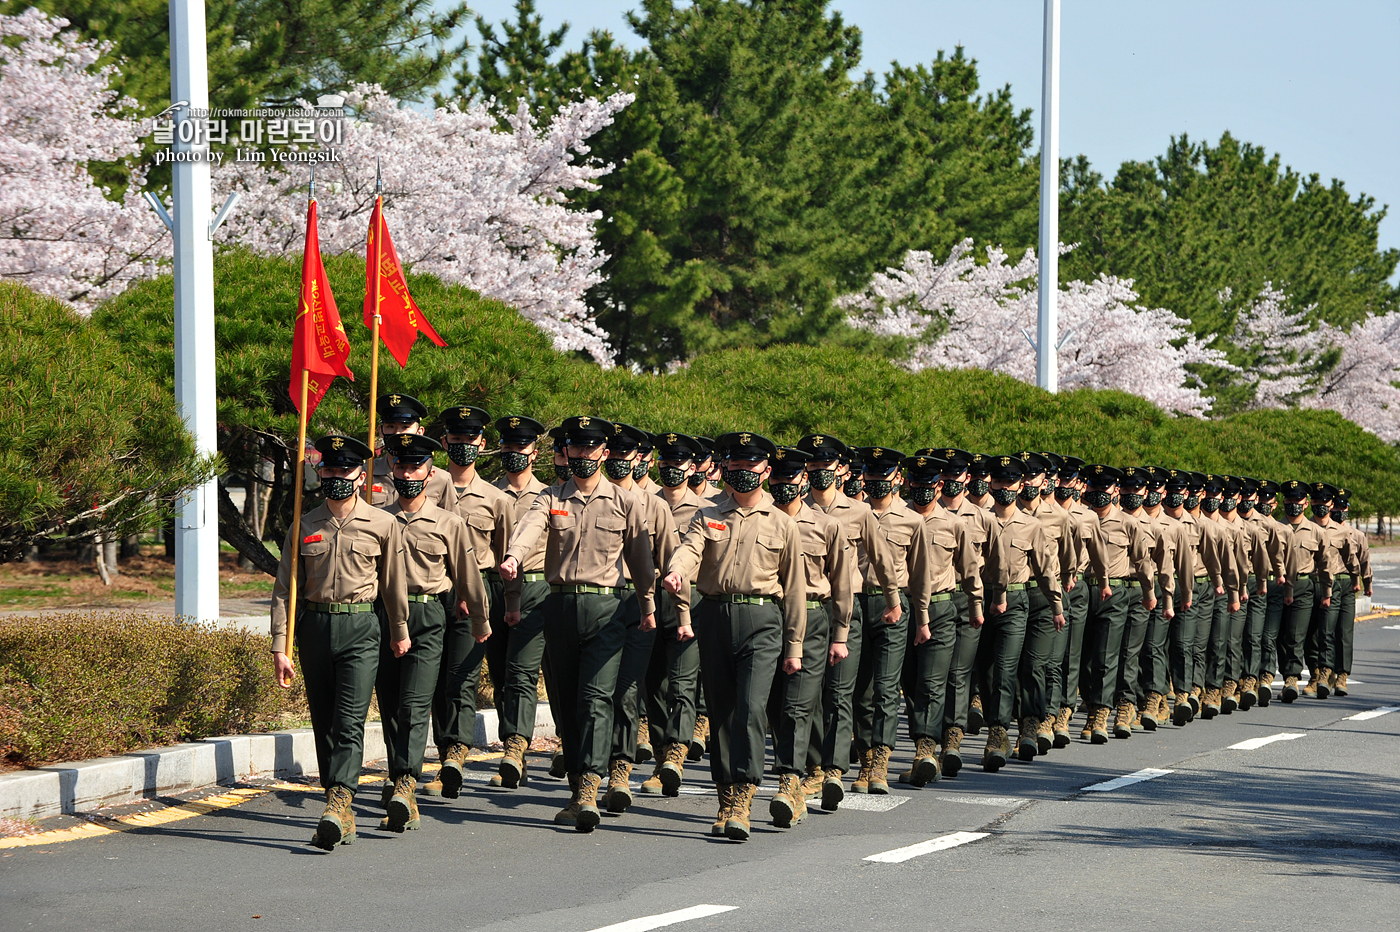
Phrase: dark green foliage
[85,426]
[74,688]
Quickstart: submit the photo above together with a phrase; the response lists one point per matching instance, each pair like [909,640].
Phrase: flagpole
[374,330]
[296,515]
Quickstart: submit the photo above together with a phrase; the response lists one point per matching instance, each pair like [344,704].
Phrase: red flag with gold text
[319,343]
[400,320]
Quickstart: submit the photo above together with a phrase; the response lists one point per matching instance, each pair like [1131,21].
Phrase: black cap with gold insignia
[518,429]
[823,448]
[1178,480]
[924,468]
[1070,468]
[705,448]
[1099,475]
[1157,476]
[625,438]
[788,463]
[1036,463]
[1294,489]
[587,431]
[464,419]
[1268,489]
[1322,492]
[411,449]
[956,459]
[345,452]
[1136,477]
[1007,467]
[674,447]
[743,445]
[1054,461]
[646,444]
[399,408]
[880,459]
[979,464]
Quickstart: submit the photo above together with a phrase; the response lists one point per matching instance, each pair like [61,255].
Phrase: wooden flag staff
[374,335]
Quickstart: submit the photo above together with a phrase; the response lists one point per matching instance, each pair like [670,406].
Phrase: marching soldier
[1203,503]
[1212,646]
[1254,564]
[1308,580]
[404,414]
[1360,570]
[1340,563]
[443,580]
[1279,534]
[1068,490]
[516,652]
[752,612]
[350,573]
[1176,572]
[1206,556]
[590,528]
[641,469]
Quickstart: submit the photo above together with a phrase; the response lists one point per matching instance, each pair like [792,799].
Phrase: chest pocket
[482,523]
[316,558]
[944,540]
[1116,539]
[899,538]
[612,524]
[363,555]
[767,549]
[431,545]
[562,522]
[1023,544]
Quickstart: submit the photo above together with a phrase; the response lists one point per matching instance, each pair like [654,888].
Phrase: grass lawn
[58,581]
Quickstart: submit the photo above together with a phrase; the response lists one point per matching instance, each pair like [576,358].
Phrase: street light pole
[196,523]
[1047,330]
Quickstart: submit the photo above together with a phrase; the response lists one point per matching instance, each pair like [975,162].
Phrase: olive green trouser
[405,685]
[1252,641]
[877,678]
[740,645]
[339,657]
[793,699]
[518,695]
[1270,654]
[1003,637]
[1185,674]
[1066,684]
[1033,670]
[1130,655]
[1294,630]
[1318,647]
[498,644]
[584,635]
[837,726]
[1104,631]
[1212,642]
[1153,669]
[454,702]
[631,678]
[966,643]
[673,678]
[926,669]
[1343,635]
[1234,643]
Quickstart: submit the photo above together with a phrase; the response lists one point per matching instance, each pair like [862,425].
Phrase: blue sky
[1317,82]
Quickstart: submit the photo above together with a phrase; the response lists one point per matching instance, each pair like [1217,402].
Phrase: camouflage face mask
[742,480]
[921,495]
[672,476]
[514,462]
[463,454]
[784,493]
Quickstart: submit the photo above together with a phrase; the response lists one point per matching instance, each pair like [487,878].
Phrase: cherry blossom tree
[1282,352]
[464,201]
[1362,385]
[962,314]
[60,233]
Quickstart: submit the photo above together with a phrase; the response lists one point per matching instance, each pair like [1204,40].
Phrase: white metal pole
[196,524]
[1047,331]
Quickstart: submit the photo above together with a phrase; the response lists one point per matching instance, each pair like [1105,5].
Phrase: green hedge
[75,687]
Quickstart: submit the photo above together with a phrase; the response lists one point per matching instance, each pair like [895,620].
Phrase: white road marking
[1150,773]
[1372,713]
[666,919]
[1392,628]
[1253,744]
[872,803]
[926,847]
[1004,802]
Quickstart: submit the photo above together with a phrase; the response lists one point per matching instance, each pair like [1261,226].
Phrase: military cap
[979,464]
[823,448]
[518,429]
[1098,474]
[1268,488]
[853,460]
[1342,499]
[678,447]
[1069,469]
[556,434]
[1157,476]
[1055,461]
[464,419]
[1233,486]
[1322,492]
[956,460]
[395,406]
[625,438]
[788,462]
[587,431]
[742,445]
[1198,481]
[1249,486]
[881,459]
[1135,477]
[411,448]
[706,449]
[1178,480]
[646,443]
[1006,468]
[1294,488]
[1214,485]
[924,468]
[339,450]
[1036,463]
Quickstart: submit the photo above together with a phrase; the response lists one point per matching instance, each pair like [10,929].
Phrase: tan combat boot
[1248,694]
[725,791]
[1045,735]
[1210,706]
[1182,714]
[1197,692]
[337,825]
[861,784]
[1229,700]
[1290,689]
[451,772]
[975,717]
[1266,690]
[672,769]
[788,803]
[1340,686]
[588,814]
[736,827]
[1098,725]
[386,792]
[651,786]
[645,752]
[951,760]
[832,791]
[1123,720]
[1323,689]
[569,814]
[511,772]
[403,806]
[699,739]
[1027,748]
[558,768]
[1310,689]
[879,783]
[1087,732]
[997,750]
[812,783]
[1062,726]
[619,793]
[925,769]
[1151,710]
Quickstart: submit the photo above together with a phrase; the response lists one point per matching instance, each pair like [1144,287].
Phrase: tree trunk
[232,530]
[131,547]
[251,501]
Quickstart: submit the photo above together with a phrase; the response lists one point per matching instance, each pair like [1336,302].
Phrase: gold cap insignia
[818,440]
[1098,470]
[781,454]
[464,413]
[583,421]
[515,422]
[877,453]
[746,439]
[671,438]
[337,443]
[1006,461]
[921,461]
[393,401]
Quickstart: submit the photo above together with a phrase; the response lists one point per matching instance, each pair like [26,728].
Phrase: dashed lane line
[941,843]
[1149,773]
[660,920]
[1372,713]
[1254,744]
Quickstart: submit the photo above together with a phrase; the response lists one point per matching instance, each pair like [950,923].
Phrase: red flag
[319,344]
[400,320]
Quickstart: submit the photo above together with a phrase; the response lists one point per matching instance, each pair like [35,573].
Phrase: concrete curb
[64,789]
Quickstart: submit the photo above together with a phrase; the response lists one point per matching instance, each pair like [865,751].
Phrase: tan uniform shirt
[1179,560]
[1086,521]
[681,514]
[1275,546]
[585,536]
[1256,551]
[357,561]
[439,487]
[826,557]
[1211,551]
[523,500]
[1029,555]
[660,525]
[863,534]
[1340,558]
[1283,532]
[1060,529]
[490,517]
[1361,547]
[438,556]
[1127,549]
[747,551]
[1237,542]
[1162,551]
[955,560]
[1307,556]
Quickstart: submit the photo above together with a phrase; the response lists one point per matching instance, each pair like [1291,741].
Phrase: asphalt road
[1302,830]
